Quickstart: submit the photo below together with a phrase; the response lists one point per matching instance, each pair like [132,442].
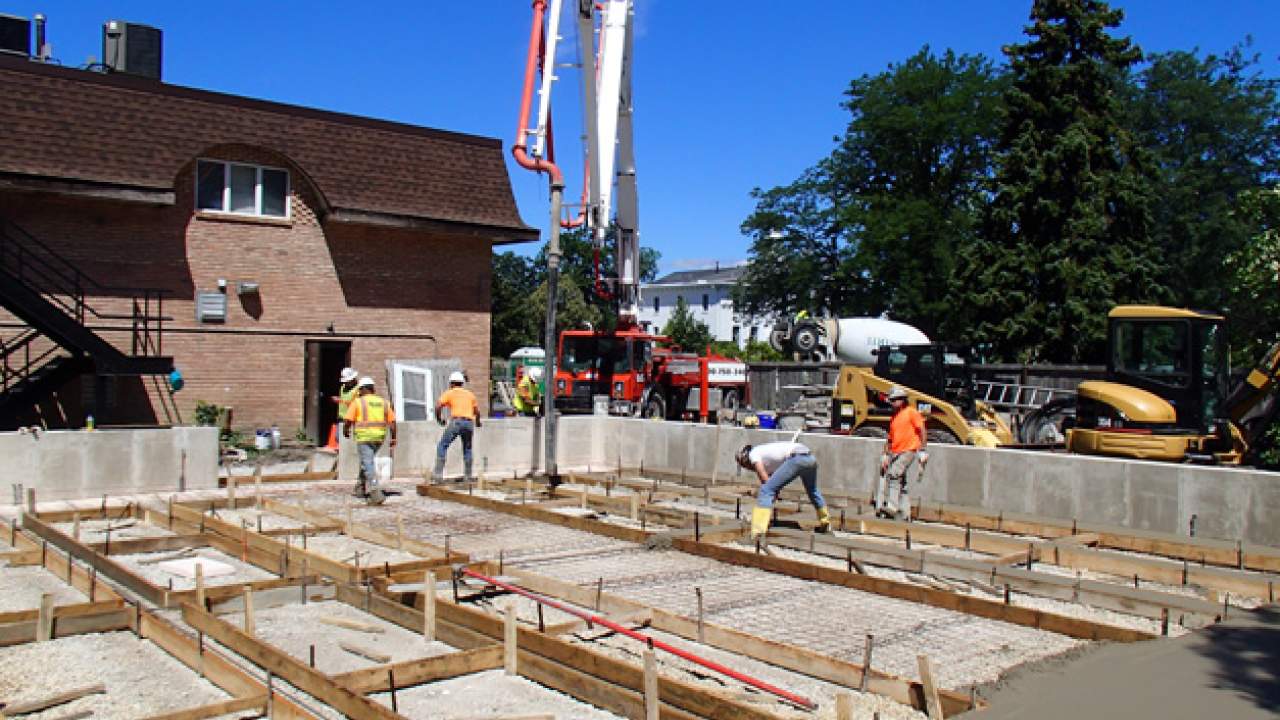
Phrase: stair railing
[43,270]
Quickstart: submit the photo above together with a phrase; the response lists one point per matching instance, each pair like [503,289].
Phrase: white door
[413,396]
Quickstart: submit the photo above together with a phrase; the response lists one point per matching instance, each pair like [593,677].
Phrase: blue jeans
[806,467]
[458,427]
[368,462]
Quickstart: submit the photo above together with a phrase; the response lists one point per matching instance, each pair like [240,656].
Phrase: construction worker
[464,418]
[905,444]
[529,392]
[776,464]
[346,393]
[370,417]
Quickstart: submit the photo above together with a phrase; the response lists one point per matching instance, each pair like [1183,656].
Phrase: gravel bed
[141,679]
[244,572]
[488,694]
[21,588]
[95,531]
[295,628]
[1058,607]
[248,517]
[342,548]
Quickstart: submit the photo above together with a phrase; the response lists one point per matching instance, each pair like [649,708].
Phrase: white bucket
[384,469]
[262,439]
[600,404]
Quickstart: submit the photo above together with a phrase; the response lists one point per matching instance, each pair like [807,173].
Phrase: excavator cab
[1168,379]
[941,370]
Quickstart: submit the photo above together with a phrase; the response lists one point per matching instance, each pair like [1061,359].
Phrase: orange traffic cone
[333,439]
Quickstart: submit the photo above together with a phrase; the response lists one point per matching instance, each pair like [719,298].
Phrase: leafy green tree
[873,228]
[514,280]
[1212,126]
[1068,231]
[687,331]
[1253,306]
[518,308]
[915,157]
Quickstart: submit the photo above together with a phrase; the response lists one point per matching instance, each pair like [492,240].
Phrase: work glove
[924,457]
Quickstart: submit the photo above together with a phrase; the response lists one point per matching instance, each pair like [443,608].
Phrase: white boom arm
[607,110]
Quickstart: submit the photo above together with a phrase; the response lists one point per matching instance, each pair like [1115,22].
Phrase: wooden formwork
[593,678]
[945,599]
[790,657]
[108,612]
[1216,567]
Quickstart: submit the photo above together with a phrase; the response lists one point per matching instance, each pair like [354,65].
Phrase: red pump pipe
[648,640]
[520,150]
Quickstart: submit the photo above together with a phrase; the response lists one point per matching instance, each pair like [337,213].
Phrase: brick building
[323,239]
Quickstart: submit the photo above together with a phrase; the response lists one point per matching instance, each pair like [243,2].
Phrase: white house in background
[708,294]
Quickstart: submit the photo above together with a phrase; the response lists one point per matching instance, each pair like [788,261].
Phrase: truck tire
[655,408]
[805,338]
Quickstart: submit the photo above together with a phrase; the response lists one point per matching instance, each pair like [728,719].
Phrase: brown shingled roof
[118,130]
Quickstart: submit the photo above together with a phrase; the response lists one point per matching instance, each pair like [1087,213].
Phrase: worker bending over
[464,418]
[369,416]
[776,464]
[906,442]
[529,392]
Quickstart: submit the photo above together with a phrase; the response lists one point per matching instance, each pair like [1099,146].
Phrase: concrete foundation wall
[1230,504]
[69,464]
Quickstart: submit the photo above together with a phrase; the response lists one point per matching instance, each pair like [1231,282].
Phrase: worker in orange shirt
[463,419]
[370,417]
[905,444]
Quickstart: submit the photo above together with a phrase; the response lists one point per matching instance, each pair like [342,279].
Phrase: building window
[657,305]
[751,337]
[242,189]
[706,302]
[737,334]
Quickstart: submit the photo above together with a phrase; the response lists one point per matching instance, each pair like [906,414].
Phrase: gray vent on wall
[211,307]
[132,48]
[15,35]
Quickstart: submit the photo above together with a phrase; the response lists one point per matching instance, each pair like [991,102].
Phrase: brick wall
[359,280]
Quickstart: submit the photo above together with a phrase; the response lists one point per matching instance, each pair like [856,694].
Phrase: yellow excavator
[1167,395]
[939,383]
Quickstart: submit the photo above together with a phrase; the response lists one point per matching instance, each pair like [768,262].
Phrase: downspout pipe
[520,151]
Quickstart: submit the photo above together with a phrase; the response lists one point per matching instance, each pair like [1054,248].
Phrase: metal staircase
[54,344]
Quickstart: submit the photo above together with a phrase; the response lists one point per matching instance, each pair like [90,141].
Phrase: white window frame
[397,395]
[257,189]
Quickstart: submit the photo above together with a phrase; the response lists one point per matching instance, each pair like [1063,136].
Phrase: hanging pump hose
[796,700]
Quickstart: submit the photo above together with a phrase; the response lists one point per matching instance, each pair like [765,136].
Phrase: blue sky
[729,95]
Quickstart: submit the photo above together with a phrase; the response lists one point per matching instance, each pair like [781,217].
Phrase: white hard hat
[897,393]
[457,377]
[365,381]
[348,374]
[535,372]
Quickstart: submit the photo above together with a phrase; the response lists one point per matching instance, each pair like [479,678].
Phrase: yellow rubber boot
[824,520]
[760,521]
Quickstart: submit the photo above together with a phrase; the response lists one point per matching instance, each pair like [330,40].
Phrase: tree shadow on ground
[1248,656]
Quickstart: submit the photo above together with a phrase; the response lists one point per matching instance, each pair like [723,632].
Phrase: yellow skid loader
[939,383]
[1167,394]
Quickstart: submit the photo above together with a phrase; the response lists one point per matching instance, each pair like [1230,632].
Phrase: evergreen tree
[685,330]
[1067,234]
[1212,125]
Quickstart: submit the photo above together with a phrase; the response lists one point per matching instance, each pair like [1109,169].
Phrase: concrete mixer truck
[877,354]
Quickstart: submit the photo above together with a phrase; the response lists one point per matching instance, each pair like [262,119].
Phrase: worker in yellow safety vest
[529,392]
[369,418]
[346,393]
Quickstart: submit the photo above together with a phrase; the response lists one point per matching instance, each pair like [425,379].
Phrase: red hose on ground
[648,640]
